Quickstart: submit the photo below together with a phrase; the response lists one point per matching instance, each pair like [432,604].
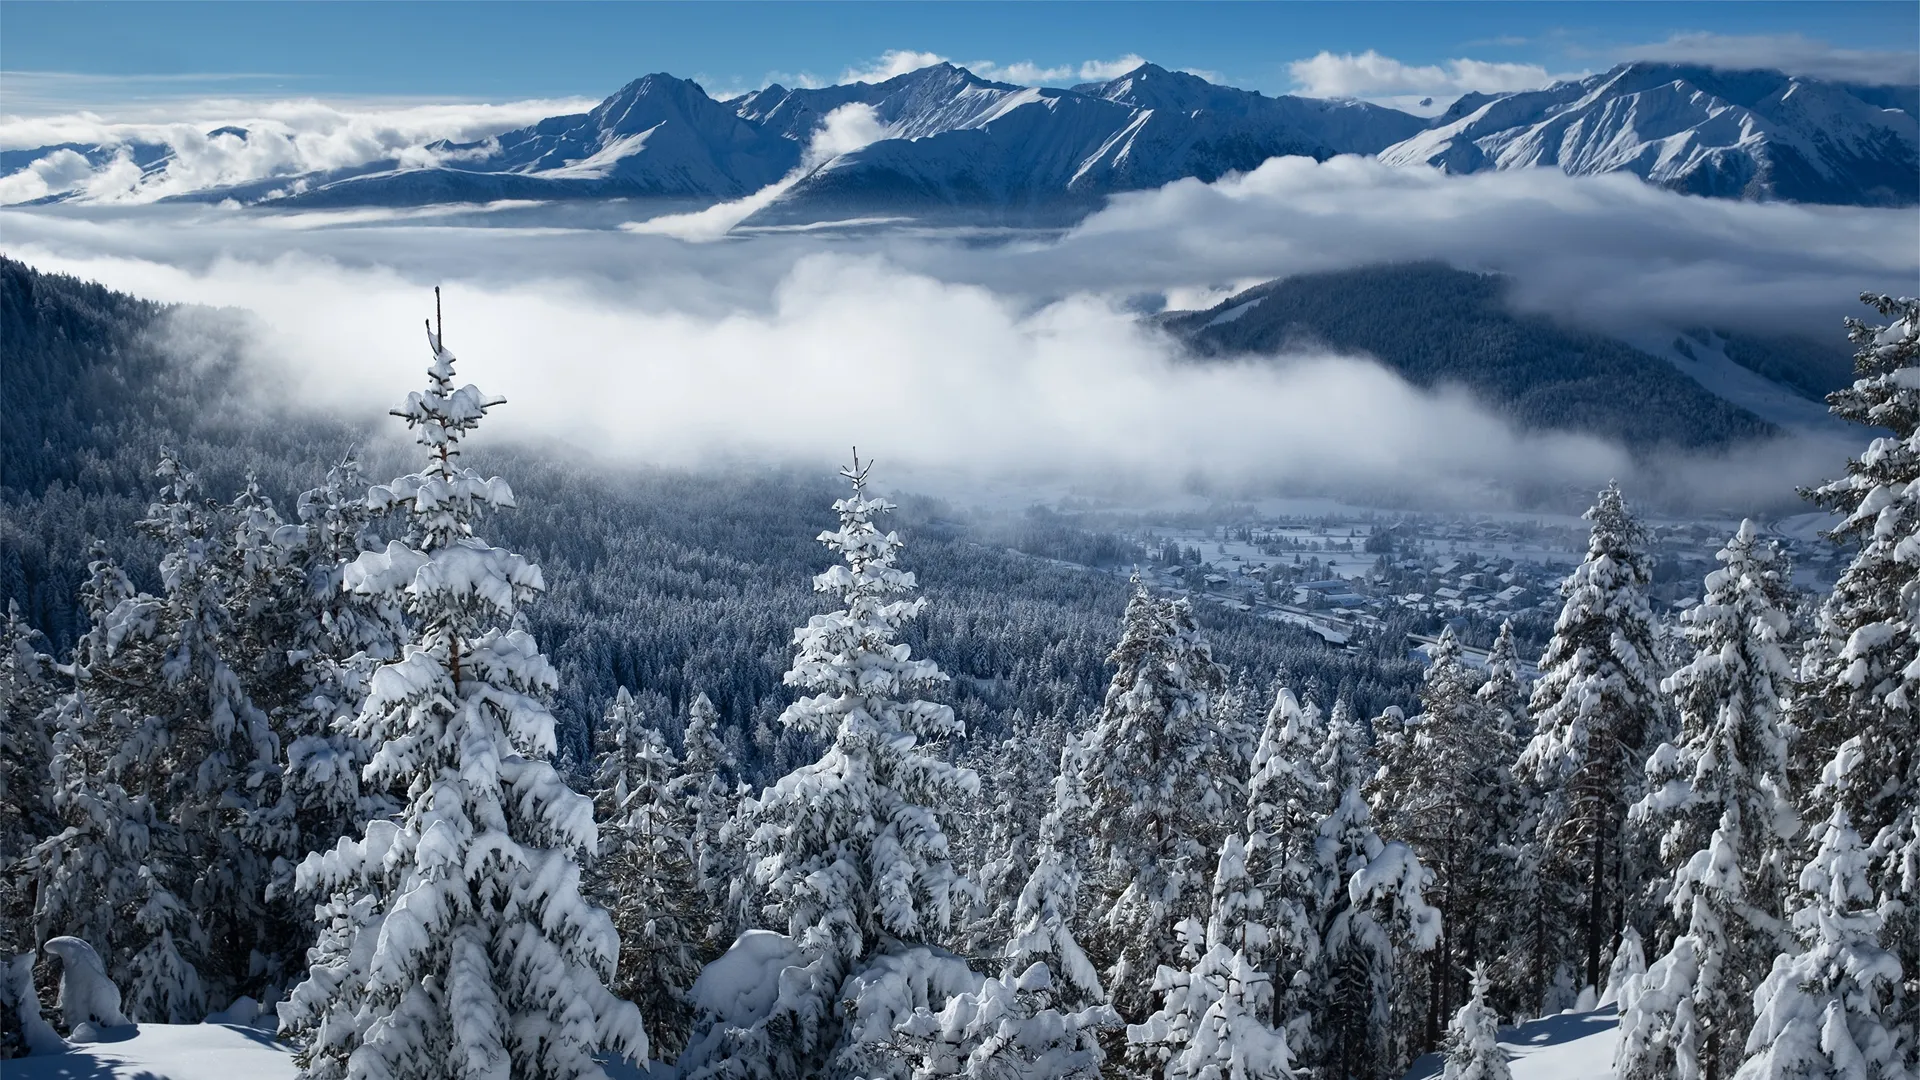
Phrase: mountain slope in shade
[1437,326]
[954,143]
[1735,134]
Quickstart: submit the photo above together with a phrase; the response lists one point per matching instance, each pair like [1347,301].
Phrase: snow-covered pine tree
[706,783]
[1436,797]
[1212,1021]
[1597,712]
[645,874]
[1015,784]
[1008,1029]
[1473,1038]
[454,939]
[1720,802]
[1509,915]
[1825,1011]
[1157,808]
[1044,912]
[1370,908]
[339,636]
[116,872]
[1286,801]
[27,695]
[1859,703]
[852,848]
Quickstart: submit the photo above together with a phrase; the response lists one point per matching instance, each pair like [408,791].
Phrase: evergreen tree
[1824,1012]
[1286,800]
[1008,1029]
[454,940]
[1473,1038]
[1157,805]
[1510,916]
[1437,797]
[1721,799]
[1597,713]
[706,783]
[1043,914]
[27,695]
[852,848]
[1368,907]
[646,875]
[1212,1021]
[1860,703]
[115,873]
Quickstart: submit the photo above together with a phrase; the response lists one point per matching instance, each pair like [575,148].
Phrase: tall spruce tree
[1437,797]
[1720,801]
[1157,803]
[27,696]
[1597,712]
[1859,705]
[852,848]
[645,875]
[1286,800]
[454,939]
[706,784]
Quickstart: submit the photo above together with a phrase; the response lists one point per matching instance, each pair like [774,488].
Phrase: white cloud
[938,348]
[1375,77]
[896,62]
[1028,73]
[284,138]
[1795,54]
[892,63]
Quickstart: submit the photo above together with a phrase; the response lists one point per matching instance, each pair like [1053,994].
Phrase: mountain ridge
[952,141]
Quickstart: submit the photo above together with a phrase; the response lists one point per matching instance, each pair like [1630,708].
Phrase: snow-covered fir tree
[454,939]
[1370,909]
[1597,713]
[1825,1011]
[1048,902]
[1720,801]
[707,785]
[1859,703]
[1158,802]
[339,636]
[27,695]
[116,873]
[646,874]
[1436,795]
[1510,912]
[1212,1023]
[1008,1029]
[1473,1037]
[851,849]
[1286,800]
[1014,799]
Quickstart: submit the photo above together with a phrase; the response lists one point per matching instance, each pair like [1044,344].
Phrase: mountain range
[945,142]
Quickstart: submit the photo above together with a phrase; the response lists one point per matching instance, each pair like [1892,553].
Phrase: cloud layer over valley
[1008,353]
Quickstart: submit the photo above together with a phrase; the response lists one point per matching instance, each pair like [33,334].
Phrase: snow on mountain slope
[1743,134]
[1570,1046]
[955,140]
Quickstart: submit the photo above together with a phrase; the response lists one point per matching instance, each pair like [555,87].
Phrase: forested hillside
[1439,326]
[491,764]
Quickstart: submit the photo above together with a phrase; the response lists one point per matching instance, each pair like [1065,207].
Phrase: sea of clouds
[695,338]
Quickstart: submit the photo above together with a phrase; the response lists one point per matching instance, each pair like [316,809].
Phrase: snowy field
[1572,1046]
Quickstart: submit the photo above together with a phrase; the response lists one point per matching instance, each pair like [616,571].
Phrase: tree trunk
[1596,903]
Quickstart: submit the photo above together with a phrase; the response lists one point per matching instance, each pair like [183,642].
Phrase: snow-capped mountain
[950,141]
[1737,134]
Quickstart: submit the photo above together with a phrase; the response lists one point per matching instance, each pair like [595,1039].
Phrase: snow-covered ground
[1570,1046]
[166,1052]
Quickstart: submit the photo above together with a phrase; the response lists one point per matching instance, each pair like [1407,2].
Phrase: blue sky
[88,53]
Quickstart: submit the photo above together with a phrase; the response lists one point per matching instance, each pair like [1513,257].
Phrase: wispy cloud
[1375,77]
[1795,54]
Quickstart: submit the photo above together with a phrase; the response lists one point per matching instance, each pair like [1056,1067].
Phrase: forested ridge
[953,812]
